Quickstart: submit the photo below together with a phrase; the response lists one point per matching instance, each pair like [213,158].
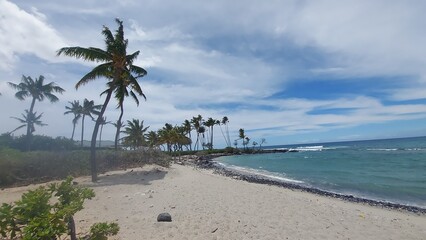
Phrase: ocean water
[392,170]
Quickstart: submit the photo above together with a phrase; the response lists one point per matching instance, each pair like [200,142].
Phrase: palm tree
[242,135]
[210,124]
[225,122]
[173,137]
[103,122]
[135,134]
[38,91]
[196,122]
[121,91]
[165,136]
[75,109]
[187,127]
[29,120]
[201,132]
[152,139]
[116,66]
[88,109]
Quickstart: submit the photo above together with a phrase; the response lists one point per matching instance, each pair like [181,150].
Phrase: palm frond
[138,71]
[87,54]
[103,70]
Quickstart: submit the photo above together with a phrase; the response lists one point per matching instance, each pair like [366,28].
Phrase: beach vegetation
[36,216]
[135,134]
[38,91]
[116,67]
[21,168]
[38,143]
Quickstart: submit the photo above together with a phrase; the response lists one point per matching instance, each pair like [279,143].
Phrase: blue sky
[287,71]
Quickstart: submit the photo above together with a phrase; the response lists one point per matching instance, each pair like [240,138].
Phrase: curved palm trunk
[94,135]
[117,133]
[82,130]
[73,131]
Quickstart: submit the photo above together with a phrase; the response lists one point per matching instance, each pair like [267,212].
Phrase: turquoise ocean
[391,170]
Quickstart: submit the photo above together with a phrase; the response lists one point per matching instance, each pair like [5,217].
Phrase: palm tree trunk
[117,133]
[29,125]
[73,131]
[221,130]
[211,139]
[227,135]
[82,130]
[94,135]
[100,135]
[190,145]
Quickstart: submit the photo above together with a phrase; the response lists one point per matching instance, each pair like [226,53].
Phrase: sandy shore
[204,205]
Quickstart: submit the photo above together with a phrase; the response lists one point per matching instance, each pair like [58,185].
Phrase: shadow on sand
[133,176]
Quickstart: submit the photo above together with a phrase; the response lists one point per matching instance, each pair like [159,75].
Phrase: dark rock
[164,217]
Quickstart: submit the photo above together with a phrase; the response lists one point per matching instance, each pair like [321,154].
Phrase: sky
[287,71]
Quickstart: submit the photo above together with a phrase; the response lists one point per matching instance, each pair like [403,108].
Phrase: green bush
[35,217]
[38,143]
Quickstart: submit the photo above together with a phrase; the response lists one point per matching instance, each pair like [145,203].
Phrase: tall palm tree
[196,122]
[87,109]
[135,132]
[75,109]
[225,122]
[38,91]
[29,120]
[116,66]
[210,123]
[242,135]
[103,122]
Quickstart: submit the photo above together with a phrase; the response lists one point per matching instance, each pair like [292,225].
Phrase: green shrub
[35,217]
[38,143]
[100,231]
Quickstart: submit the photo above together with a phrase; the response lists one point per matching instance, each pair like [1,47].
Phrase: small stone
[164,217]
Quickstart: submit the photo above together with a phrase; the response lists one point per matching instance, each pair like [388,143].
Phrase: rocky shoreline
[207,162]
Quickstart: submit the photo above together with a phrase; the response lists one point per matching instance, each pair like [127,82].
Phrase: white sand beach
[204,205]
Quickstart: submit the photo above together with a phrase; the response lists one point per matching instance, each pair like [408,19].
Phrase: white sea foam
[382,149]
[262,173]
[308,149]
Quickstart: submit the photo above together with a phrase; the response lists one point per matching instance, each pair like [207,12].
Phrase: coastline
[206,205]
[252,177]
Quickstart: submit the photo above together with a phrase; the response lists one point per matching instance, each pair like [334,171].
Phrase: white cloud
[365,37]
[184,47]
[24,33]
